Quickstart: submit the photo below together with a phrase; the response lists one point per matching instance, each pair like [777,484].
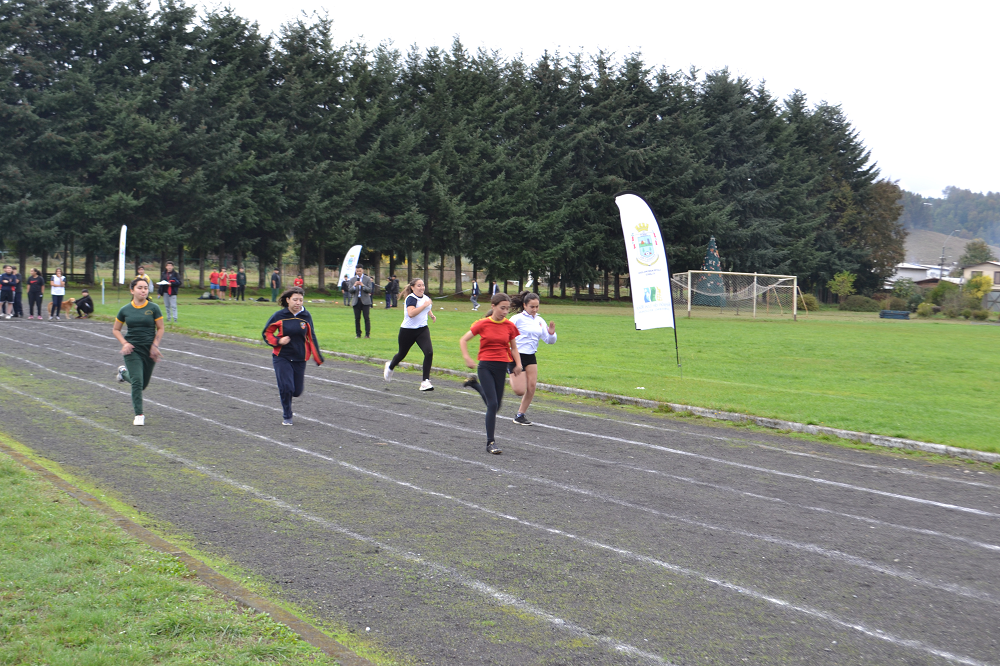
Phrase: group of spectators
[12,287]
[228,285]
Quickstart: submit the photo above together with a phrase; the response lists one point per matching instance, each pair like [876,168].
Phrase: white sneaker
[426,385]
[387,372]
[139,420]
[121,369]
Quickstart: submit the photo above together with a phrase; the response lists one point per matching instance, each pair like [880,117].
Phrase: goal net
[749,294]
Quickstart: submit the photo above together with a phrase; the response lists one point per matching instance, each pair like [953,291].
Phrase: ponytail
[518,302]
[408,289]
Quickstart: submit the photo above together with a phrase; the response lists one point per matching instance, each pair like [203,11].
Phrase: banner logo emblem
[646,245]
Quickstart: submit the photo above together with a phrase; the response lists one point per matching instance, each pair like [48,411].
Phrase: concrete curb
[205,573]
[735,417]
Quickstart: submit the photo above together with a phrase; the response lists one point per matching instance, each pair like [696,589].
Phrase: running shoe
[121,372]
[387,372]
[286,422]
[471,381]
[426,385]
[139,420]
[491,447]
[521,419]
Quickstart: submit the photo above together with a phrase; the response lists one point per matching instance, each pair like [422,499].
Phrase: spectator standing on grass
[58,289]
[84,305]
[213,284]
[141,274]
[234,283]
[388,293]
[275,285]
[475,294]
[223,284]
[300,283]
[497,350]
[292,337]
[36,291]
[241,284]
[18,289]
[416,308]
[532,329]
[168,292]
[361,300]
[395,290]
[141,343]
[7,285]
[345,289]
[494,288]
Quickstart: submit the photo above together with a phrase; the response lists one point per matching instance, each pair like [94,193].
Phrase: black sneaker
[470,381]
[522,420]
[491,447]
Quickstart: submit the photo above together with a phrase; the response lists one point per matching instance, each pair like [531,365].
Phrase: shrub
[967,313]
[981,315]
[937,309]
[808,302]
[925,310]
[914,300]
[938,294]
[858,303]
[895,303]
[979,286]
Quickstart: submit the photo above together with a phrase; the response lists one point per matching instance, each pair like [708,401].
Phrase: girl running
[291,333]
[496,350]
[416,308]
[57,292]
[532,328]
[141,346]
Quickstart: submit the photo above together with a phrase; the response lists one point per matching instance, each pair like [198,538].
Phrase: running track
[600,536]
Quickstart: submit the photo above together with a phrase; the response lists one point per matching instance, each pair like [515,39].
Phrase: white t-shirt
[421,319]
[532,330]
[59,290]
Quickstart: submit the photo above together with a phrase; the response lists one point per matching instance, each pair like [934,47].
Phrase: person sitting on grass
[84,305]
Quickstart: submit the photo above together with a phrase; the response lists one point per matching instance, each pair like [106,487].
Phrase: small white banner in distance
[121,255]
[649,274]
[350,263]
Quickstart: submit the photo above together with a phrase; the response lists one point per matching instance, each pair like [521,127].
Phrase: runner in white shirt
[416,308]
[532,328]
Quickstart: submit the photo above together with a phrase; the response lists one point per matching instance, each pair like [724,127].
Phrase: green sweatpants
[138,371]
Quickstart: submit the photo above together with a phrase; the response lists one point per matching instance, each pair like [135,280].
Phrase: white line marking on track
[836,555]
[483,588]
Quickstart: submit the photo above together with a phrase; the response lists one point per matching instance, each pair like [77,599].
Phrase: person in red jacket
[299,282]
[496,349]
[292,337]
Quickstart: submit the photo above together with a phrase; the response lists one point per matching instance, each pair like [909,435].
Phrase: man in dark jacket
[275,285]
[18,288]
[8,283]
[84,305]
[395,290]
[169,291]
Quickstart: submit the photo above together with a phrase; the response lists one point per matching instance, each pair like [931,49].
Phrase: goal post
[736,293]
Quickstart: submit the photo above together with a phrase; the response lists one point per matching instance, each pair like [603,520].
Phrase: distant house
[988,268]
[915,272]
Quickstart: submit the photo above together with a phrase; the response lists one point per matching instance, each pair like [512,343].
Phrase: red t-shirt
[214,277]
[232,280]
[298,282]
[494,338]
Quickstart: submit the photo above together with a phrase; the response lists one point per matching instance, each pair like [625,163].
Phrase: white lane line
[846,558]
[778,449]
[640,425]
[483,588]
[498,596]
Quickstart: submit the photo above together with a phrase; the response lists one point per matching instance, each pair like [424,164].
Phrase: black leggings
[34,300]
[492,379]
[408,336]
[55,307]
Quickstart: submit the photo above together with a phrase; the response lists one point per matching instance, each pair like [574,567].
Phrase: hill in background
[973,214]
[924,247]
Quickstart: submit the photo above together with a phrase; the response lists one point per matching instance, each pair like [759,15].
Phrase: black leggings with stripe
[492,379]
[407,337]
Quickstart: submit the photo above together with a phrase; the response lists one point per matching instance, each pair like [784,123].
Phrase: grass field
[74,589]
[931,380]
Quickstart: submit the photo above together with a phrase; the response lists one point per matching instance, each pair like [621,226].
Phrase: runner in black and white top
[532,328]
[416,308]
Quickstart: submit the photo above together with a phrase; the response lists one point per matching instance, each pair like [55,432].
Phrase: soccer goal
[736,293]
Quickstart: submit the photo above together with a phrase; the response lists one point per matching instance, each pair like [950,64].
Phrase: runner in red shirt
[496,349]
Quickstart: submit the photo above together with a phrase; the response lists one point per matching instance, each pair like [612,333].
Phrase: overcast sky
[917,80]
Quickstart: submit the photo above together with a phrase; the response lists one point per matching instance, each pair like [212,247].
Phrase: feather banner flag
[350,262]
[121,255]
[649,273]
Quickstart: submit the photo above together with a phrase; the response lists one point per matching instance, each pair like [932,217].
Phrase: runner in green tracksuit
[141,345]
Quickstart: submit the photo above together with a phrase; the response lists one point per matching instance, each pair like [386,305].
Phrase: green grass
[930,380]
[74,589]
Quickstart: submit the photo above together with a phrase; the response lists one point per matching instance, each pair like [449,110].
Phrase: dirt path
[600,536]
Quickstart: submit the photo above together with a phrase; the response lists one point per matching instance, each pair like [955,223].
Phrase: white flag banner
[350,262]
[121,255]
[649,274]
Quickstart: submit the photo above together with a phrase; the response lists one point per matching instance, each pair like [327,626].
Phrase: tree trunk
[576,291]
[136,264]
[475,271]
[302,258]
[321,259]
[180,261]
[427,266]
[562,286]
[22,260]
[590,289]
[392,263]
[281,267]
[552,284]
[163,260]
[261,272]
[88,266]
[72,254]
[458,274]
[409,266]
[201,268]
[441,277]
[66,258]
[618,283]
[45,264]
[377,270]
[606,282]
[505,287]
